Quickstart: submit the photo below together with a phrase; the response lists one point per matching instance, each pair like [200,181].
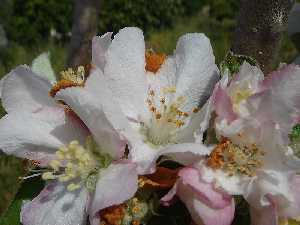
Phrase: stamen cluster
[235,159]
[77,165]
[166,117]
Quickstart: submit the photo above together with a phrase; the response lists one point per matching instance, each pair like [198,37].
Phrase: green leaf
[233,62]
[29,189]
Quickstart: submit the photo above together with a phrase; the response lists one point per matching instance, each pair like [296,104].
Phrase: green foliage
[221,9]
[11,169]
[31,21]
[17,55]
[28,22]
[232,62]
[28,190]
[219,33]
[295,134]
[116,14]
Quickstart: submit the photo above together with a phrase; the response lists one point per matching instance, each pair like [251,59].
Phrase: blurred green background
[35,26]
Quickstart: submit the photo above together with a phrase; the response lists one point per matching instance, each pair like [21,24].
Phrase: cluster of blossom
[98,131]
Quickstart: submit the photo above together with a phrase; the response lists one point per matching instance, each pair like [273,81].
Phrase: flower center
[236,159]
[154,61]
[77,165]
[166,117]
[295,140]
[69,78]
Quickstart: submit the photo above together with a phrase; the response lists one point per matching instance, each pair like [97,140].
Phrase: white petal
[125,69]
[96,109]
[186,153]
[56,206]
[100,45]
[116,184]
[37,136]
[165,77]
[268,182]
[42,67]
[144,156]
[196,72]
[24,91]
[198,124]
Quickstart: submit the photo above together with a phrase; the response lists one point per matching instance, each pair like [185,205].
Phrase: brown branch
[85,19]
[259,31]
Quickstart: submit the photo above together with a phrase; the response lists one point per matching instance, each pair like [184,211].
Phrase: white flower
[156,111]
[82,179]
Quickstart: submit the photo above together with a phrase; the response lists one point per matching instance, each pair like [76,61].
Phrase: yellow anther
[76,77]
[152,109]
[135,209]
[151,93]
[158,116]
[60,155]
[48,176]
[55,164]
[235,159]
[167,90]
[73,187]
[64,178]
[179,123]
[79,152]
[135,200]
[195,110]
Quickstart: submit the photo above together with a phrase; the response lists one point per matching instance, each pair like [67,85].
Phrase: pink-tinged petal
[116,184]
[269,183]
[266,215]
[248,77]
[204,215]
[167,199]
[125,70]
[285,86]
[206,205]
[268,107]
[223,105]
[293,210]
[205,191]
[56,206]
[25,91]
[100,45]
[196,72]
[38,135]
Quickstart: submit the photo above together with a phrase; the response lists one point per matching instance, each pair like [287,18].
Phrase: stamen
[154,61]
[236,159]
[69,78]
[166,117]
[74,162]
